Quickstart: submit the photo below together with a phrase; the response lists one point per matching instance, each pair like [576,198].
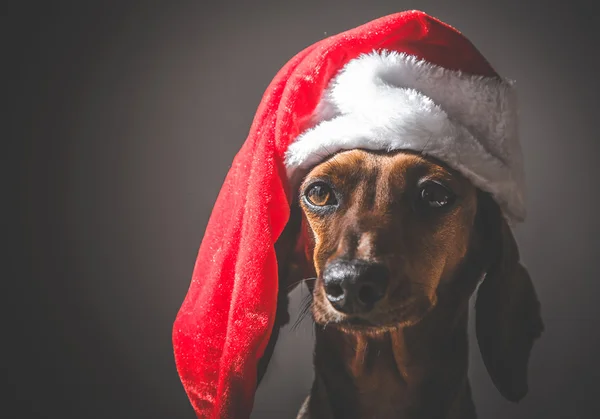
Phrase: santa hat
[404,81]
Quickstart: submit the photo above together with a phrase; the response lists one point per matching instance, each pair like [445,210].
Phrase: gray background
[127,116]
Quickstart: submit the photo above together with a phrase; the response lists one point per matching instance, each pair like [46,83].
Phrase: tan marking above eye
[320,195]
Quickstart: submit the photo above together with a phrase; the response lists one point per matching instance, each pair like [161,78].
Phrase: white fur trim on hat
[393,101]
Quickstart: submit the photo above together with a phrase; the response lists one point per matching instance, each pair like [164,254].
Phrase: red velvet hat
[404,81]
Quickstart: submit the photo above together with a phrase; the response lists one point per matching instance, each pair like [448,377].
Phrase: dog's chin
[357,325]
[376,322]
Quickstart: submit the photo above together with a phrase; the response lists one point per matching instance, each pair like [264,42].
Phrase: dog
[393,245]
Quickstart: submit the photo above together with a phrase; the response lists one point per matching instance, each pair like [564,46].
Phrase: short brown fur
[408,357]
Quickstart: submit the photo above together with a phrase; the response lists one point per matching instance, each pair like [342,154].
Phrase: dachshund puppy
[396,244]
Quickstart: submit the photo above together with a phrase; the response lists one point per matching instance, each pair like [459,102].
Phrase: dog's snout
[355,286]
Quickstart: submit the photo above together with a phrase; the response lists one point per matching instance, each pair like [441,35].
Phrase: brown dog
[396,243]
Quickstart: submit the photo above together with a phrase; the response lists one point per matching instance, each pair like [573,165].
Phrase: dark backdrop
[126,116]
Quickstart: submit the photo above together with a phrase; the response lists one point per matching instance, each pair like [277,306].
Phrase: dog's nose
[355,286]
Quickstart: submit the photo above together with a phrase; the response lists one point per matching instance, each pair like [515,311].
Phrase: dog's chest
[382,391]
[382,396]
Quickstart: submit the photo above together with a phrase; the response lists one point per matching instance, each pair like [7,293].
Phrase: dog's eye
[436,195]
[320,195]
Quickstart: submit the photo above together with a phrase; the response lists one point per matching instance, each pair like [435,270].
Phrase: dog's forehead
[360,164]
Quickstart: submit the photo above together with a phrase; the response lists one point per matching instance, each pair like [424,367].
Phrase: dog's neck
[412,372]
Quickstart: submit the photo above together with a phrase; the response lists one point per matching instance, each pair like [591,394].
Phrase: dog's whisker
[304,310]
[422,152]
[327,153]
[293,284]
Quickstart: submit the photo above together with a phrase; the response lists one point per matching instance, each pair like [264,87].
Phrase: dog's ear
[292,265]
[508,319]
